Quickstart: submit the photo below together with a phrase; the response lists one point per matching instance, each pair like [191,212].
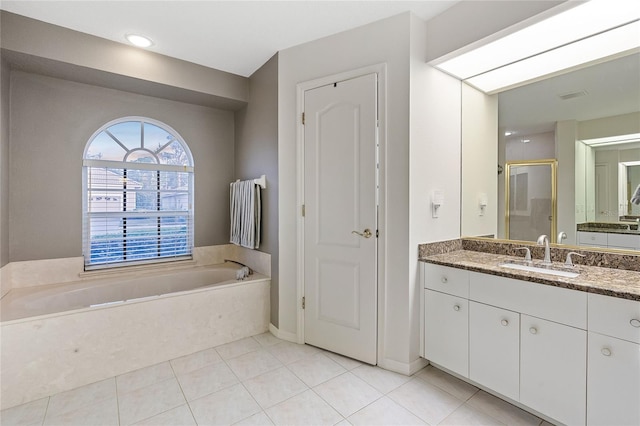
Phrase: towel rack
[262,181]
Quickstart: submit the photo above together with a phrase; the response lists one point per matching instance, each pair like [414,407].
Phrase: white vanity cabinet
[609,240]
[446,307]
[494,348]
[553,367]
[613,373]
[526,341]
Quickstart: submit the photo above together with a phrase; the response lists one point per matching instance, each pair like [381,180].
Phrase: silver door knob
[606,351]
[366,233]
[504,322]
[533,330]
[635,323]
[456,307]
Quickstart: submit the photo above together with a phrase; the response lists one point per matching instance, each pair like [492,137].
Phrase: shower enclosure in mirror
[530,194]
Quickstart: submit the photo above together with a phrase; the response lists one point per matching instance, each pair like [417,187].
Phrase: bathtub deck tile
[149,401]
[206,380]
[31,413]
[83,396]
[237,348]
[144,377]
[195,361]
[101,413]
[177,416]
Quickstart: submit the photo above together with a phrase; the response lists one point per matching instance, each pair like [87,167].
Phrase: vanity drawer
[624,241]
[592,238]
[447,280]
[539,300]
[614,317]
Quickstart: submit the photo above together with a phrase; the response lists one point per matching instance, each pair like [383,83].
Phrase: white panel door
[340,224]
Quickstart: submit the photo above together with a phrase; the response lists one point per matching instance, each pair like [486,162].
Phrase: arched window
[137,194]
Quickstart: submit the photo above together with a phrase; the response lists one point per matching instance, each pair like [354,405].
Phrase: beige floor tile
[144,377]
[237,348]
[206,380]
[288,352]
[456,387]
[346,363]
[260,419]
[101,413]
[466,415]
[306,408]
[81,397]
[253,364]
[502,410]
[149,401]
[31,413]
[274,387]
[195,361]
[267,339]
[347,393]
[226,406]
[383,380]
[316,369]
[546,423]
[344,422]
[179,416]
[426,401]
[384,412]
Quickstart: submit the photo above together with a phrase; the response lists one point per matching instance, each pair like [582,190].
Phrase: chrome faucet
[544,240]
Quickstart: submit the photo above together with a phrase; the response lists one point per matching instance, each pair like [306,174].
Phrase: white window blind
[138,195]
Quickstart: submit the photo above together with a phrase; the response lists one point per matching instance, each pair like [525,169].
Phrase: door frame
[301,88]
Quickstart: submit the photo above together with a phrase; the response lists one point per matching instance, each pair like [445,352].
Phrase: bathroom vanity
[566,348]
[624,236]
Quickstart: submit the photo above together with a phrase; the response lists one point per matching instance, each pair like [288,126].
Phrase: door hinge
[303,118]
[377,233]
[303,210]
[303,303]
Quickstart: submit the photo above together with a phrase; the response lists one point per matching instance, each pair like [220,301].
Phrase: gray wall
[51,122]
[257,154]
[4,162]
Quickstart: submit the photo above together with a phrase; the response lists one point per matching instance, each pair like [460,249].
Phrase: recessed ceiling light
[526,140]
[507,133]
[138,40]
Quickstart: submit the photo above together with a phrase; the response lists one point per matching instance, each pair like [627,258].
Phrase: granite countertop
[610,227]
[610,282]
[609,230]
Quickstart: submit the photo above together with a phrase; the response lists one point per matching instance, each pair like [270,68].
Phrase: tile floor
[262,380]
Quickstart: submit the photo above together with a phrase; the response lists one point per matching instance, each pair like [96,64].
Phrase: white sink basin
[567,274]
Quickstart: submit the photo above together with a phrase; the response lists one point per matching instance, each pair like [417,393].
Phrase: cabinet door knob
[533,330]
[635,322]
[606,351]
[456,307]
[504,322]
[444,280]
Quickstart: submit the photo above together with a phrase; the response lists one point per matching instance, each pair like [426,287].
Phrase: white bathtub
[61,336]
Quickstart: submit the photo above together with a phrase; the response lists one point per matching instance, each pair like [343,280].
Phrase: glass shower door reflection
[530,200]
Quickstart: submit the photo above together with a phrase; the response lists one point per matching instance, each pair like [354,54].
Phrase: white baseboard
[284,335]
[407,369]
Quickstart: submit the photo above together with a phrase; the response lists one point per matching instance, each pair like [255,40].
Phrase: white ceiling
[233,36]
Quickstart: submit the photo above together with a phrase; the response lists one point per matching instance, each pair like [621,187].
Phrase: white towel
[245,206]
[635,199]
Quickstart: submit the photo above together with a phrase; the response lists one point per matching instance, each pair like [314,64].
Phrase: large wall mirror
[589,121]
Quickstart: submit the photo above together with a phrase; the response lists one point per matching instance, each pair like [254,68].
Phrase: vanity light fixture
[508,133]
[613,140]
[139,40]
[550,43]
